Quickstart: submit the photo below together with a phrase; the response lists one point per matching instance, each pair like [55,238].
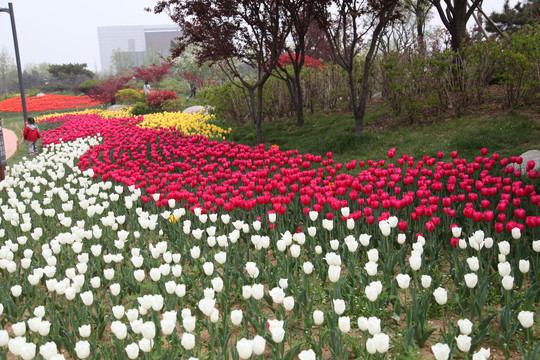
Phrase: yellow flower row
[120,113]
[48,116]
[188,124]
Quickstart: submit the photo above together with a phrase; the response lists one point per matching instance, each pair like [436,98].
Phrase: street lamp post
[17,56]
[21,86]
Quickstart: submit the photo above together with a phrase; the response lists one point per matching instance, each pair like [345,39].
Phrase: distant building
[134,42]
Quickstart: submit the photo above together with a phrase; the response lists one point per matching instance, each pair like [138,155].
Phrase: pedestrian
[146,88]
[31,135]
[193,89]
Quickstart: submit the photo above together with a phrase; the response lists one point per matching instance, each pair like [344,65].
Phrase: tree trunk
[420,20]
[299,103]
[459,25]
[359,124]
[254,111]
[358,118]
[258,120]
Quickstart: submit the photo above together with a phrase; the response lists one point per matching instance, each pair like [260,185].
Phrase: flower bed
[187,124]
[48,102]
[181,247]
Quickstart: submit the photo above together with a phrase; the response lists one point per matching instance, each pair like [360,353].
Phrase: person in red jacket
[31,135]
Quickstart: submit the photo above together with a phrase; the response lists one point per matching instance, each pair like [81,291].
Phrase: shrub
[129,96]
[157,98]
[88,85]
[519,63]
[172,105]
[141,109]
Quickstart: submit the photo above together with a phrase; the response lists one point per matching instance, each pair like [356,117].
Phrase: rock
[196,109]
[527,156]
[40,94]
[118,107]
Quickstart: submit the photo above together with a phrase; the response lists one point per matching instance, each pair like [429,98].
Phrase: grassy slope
[508,133]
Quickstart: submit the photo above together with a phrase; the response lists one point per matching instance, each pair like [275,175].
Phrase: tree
[513,19]
[70,72]
[301,14]
[122,62]
[455,15]
[355,23]
[421,10]
[317,45]
[7,66]
[230,33]
[153,73]
[106,90]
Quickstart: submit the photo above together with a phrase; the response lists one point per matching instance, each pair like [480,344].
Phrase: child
[31,135]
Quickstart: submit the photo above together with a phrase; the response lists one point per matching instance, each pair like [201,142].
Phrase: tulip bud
[339,306]
[344,323]
[465,326]
[307,355]
[526,318]
[258,345]
[82,348]
[508,282]
[318,317]
[471,280]
[244,348]
[334,272]
[236,317]
[426,281]
[441,351]
[132,350]
[188,341]
[441,296]
[524,266]
[463,343]
[403,280]
[307,267]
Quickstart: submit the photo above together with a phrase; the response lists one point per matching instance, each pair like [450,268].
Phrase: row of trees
[256,33]
[41,77]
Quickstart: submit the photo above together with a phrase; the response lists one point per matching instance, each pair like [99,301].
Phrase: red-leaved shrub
[157,98]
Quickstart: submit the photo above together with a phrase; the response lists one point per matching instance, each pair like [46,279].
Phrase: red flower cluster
[48,102]
[288,59]
[212,175]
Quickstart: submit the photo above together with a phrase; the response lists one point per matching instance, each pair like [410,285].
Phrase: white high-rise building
[134,42]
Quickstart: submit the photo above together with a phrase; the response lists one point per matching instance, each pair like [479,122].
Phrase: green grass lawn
[508,133]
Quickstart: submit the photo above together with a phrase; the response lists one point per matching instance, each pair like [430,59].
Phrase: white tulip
[318,317]
[441,351]
[236,317]
[344,324]
[465,326]
[526,318]
[471,280]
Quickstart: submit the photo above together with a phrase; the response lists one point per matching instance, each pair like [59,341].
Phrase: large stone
[117,107]
[197,109]
[528,156]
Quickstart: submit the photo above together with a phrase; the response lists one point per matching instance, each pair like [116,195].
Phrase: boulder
[527,156]
[197,109]
[117,107]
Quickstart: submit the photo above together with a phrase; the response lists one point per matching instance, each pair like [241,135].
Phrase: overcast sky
[65,31]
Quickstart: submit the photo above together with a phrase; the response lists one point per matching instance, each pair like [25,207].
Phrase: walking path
[10,142]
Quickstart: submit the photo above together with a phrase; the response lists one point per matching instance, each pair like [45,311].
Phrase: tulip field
[154,238]
[48,102]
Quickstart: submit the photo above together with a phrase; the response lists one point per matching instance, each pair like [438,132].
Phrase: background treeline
[415,85]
